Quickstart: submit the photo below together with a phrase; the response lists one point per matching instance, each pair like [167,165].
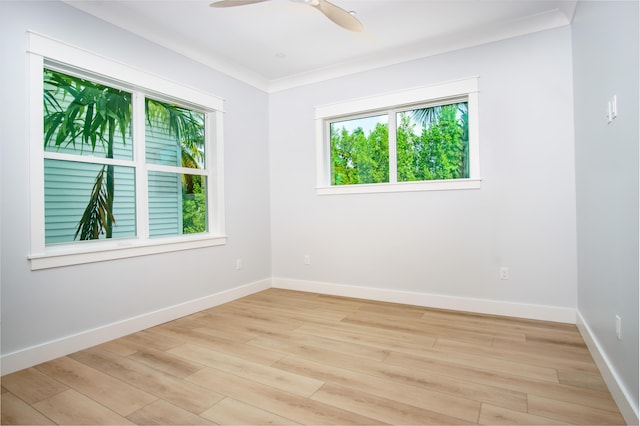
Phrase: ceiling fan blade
[338,15]
[232,3]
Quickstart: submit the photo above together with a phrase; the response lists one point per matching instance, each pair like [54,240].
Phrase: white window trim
[42,49]
[467,87]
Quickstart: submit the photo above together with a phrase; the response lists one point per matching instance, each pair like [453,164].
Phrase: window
[124,163]
[420,139]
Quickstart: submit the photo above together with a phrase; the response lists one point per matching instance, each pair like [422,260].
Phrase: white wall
[605,62]
[451,242]
[43,306]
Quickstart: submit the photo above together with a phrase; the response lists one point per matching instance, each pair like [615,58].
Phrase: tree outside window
[430,144]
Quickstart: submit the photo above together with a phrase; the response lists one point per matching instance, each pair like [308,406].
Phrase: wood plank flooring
[285,357]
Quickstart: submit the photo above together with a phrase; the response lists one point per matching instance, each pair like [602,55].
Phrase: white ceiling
[284,43]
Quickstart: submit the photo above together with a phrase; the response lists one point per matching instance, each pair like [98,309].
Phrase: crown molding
[548,20]
[551,19]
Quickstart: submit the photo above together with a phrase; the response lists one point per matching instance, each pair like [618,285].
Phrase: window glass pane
[433,143]
[360,150]
[86,118]
[174,135]
[76,199]
[177,204]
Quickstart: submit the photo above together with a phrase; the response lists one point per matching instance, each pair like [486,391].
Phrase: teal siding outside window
[165,189]
[68,186]
[165,212]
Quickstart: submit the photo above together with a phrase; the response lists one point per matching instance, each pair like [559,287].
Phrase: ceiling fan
[338,15]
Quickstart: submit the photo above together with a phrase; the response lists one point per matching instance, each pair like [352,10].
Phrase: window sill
[98,251]
[434,185]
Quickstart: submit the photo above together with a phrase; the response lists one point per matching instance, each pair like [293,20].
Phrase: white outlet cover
[504,273]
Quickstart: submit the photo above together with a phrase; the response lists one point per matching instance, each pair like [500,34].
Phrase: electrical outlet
[618,327]
[307,259]
[504,273]
[238,264]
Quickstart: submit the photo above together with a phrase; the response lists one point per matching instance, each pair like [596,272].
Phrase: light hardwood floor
[284,357]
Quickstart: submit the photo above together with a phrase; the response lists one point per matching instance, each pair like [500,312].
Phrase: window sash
[68,186]
[391,115]
[341,126]
[47,52]
[464,90]
[142,141]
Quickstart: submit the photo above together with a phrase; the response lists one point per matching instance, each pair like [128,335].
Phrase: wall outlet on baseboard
[238,264]
[307,259]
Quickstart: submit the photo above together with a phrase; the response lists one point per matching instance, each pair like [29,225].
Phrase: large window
[124,163]
[420,139]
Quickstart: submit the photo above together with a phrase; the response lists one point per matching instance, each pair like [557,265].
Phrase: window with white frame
[123,163]
[414,140]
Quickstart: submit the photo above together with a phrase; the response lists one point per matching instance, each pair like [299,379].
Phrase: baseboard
[481,306]
[50,350]
[628,407]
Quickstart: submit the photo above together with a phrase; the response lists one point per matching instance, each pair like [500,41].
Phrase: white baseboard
[481,306]
[467,304]
[50,350]
[628,407]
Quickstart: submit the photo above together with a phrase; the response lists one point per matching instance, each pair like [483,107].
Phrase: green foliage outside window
[358,158]
[431,144]
[438,150]
[194,207]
